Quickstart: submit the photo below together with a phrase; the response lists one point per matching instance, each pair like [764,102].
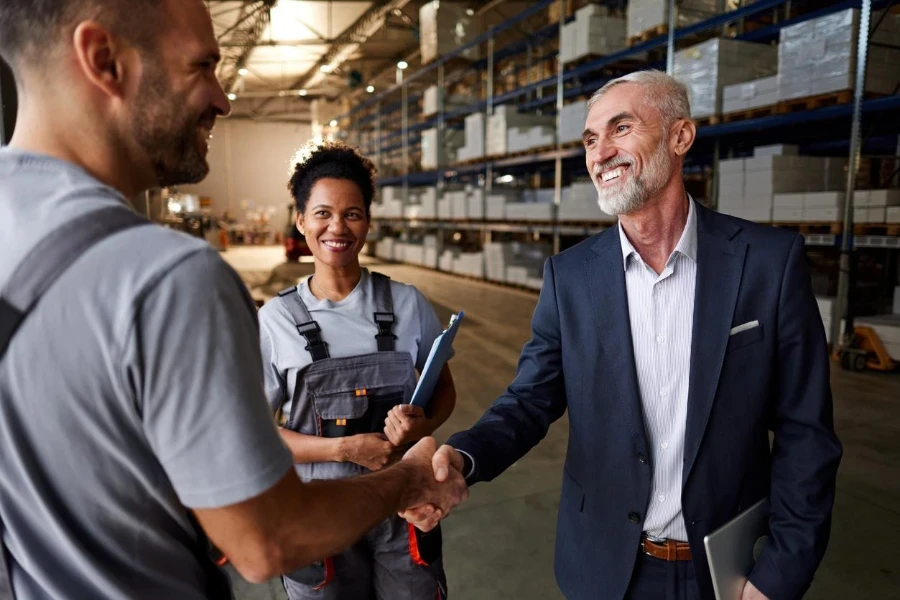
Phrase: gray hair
[666,93]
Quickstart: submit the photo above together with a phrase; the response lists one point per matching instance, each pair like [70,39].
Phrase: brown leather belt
[668,550]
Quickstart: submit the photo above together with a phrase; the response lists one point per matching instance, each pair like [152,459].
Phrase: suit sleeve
[806,451]
[520,418]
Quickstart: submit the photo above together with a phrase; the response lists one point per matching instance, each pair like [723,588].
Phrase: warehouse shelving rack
[818,130]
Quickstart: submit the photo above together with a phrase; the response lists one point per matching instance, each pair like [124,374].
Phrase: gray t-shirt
[348,327]
[133,389]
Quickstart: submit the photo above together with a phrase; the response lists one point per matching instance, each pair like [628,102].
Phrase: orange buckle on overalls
[362,392]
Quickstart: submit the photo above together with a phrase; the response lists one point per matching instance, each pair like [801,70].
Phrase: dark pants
[656,579]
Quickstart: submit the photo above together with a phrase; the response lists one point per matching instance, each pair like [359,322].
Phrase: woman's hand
[406,424]
[370,450]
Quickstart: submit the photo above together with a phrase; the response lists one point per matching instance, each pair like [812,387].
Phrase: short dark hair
[332,160]
[27,27]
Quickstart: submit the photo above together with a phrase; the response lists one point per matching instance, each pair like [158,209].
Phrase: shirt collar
[687,244]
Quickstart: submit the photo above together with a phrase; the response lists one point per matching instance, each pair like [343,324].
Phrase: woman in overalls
[341,352]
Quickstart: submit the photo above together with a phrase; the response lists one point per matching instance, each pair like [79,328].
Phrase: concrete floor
[499,544]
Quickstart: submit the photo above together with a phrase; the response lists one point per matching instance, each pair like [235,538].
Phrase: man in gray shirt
[131,397]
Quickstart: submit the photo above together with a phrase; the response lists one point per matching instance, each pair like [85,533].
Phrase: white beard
[634,193]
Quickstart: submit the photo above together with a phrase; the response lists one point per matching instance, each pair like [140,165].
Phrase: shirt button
[643,458]
[660,339]
[663,393]
[664,445]
[662,497]
[634,517]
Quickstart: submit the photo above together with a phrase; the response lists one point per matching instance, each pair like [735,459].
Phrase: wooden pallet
[813,102]
[648,34]
[832,227]
[704,121]
[876,229]
[753,113]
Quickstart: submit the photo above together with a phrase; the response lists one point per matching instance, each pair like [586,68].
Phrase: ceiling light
[232,97]
[470,12]
[282,94]
[370,89]
[325,68]
[333,123]
[397,12]
[302,92]
[243,72]
[402,64]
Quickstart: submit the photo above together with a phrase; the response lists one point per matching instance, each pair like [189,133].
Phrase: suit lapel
[720,264]
[606,280]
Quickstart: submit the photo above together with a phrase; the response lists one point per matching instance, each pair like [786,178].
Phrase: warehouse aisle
[499,545]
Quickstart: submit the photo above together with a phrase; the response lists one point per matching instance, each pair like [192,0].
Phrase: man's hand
[751,593]
[371,450]
[405,424]
[447,465]
[441,485]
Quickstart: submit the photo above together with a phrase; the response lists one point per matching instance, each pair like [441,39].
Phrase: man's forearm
[331,515]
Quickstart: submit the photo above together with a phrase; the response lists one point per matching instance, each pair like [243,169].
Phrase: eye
[354,216]
[590,142]
[622,128]
[321,213]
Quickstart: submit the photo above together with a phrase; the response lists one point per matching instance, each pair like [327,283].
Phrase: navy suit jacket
[774,377]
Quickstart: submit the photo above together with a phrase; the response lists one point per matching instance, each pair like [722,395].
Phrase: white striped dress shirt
[661,311]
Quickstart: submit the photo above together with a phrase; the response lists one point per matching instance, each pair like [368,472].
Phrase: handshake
[436,485]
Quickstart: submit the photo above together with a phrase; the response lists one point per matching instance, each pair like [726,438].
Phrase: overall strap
[384,312]
[35,274]
[308,328]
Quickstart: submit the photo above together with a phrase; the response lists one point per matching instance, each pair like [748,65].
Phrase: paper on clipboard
[440,354]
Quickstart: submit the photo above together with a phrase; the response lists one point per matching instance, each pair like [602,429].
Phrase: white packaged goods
[506,118]
[750,94]
[451,103]
[444,27]
[648,14]
[892,215]
[752,188]
[579,203]
[818,56]
[710,66]
[776,150]
[475,203]
[876,198]
[435,155]
[593,32]
[474,138]
[571,121]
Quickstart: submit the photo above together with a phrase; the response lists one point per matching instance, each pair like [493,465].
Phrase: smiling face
[334,223]
[179,96]
[627,149]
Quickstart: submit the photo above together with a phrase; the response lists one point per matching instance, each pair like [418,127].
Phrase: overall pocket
[342,414]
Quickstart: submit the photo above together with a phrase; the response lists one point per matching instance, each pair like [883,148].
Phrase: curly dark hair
[331,160]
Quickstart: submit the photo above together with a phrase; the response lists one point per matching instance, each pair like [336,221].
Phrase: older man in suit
[677,341]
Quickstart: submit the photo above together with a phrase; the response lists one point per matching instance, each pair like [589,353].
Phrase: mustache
[612,163]
[208,118]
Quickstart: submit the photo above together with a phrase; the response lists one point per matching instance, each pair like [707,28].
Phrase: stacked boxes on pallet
[818,56]
[593,32]
[501,125]
[710,66]
[649,14]
[579,203]
[391,204]
[469,263]
[872,206]
[474,138]
[444,27]
[515,262]
[536,205]
[571,121]
[496,202]
[434,155]
[776,184]
[452,102]
[750,95]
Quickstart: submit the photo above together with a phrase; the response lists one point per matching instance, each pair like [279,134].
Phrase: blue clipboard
[440,354]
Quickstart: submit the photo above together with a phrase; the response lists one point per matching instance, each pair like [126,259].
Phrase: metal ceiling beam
[244,35]
[349,41]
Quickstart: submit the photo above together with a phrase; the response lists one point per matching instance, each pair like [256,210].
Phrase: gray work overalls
[336,397]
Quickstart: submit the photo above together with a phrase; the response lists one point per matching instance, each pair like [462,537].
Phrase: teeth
[335,244]
[614,174]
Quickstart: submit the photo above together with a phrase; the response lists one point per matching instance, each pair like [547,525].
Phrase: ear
[683,134]
[101,58]
[300,223]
